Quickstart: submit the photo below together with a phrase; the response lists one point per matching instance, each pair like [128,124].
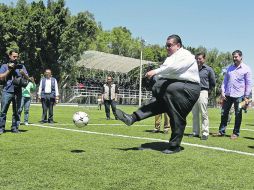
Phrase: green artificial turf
[110,159]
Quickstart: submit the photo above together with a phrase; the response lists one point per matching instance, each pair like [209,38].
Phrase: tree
[47,36]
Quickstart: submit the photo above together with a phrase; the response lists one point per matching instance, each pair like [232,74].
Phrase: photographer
[13,76]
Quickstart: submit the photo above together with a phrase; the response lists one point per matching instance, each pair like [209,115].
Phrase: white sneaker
[26,123]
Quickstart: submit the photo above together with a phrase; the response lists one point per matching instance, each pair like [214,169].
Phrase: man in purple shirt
[235,88]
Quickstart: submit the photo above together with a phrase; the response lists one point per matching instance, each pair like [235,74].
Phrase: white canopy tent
[109,62]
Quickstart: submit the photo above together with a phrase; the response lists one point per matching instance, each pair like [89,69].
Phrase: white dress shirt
[181,65]
[48,87]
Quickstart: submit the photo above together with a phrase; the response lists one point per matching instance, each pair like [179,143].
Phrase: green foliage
[47,36]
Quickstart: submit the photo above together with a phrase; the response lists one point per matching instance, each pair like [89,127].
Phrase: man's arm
[57,91]
[116,92]
[248,83]
[224,86]
[5,71]
[212,80]
[102,94]
[24,73]
[39,91]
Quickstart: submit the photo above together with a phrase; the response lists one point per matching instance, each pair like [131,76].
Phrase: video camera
[15,65]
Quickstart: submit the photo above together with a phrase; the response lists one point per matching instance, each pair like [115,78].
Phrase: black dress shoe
[156,131]
[15,131]
[124,117]
[172,150]
[192,135]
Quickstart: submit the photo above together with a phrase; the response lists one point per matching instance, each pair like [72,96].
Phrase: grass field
[105,155]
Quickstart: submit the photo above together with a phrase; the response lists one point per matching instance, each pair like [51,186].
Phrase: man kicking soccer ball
[175,92]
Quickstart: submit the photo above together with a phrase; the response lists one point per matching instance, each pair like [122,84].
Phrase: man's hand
[246,100]
[150,74]
[22,72]
[11,66]
[223,97]
[57,100]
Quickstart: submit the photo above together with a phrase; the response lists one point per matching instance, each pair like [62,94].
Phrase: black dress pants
[47,106]
[176,98]
[107,104]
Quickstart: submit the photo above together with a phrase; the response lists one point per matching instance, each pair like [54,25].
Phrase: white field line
[142,125]
[145,138]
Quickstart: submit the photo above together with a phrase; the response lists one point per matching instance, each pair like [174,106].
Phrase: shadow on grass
[45,122]
[151,131]
[248,124]
[20,130]
[77,151]
[23,130]
[251,147]
[189,135]
[251,138]
[158,146]
[215,135]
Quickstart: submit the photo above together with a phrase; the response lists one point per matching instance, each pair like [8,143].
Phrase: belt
[184,81]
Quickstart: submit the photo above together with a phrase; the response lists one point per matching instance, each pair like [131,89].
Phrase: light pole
[140,72]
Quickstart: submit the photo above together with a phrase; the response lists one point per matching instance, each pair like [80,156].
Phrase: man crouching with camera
[13,77]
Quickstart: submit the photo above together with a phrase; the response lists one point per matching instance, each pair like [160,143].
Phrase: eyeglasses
[169,45]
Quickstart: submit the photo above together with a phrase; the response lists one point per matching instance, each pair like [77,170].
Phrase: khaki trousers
[158,119]
[200,108]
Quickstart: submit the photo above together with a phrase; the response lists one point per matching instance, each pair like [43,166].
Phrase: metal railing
[90,95]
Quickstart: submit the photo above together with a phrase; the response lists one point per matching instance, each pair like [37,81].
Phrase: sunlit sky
[223,24]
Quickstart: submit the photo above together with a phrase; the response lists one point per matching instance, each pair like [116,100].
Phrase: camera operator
[13,76]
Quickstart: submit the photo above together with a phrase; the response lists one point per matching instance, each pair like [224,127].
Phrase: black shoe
[126,118]
[204,137]
[42,122]
[108,118]
[51,122]
[219,134]
[156,131]
[192,135]
[15,131]
[172,150]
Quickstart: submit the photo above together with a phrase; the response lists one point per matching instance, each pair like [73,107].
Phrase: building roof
[109,62]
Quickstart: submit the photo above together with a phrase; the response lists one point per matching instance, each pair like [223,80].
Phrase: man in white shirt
[175,92]
[48,94]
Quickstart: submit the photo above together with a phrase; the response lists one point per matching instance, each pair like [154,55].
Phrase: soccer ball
[80,119]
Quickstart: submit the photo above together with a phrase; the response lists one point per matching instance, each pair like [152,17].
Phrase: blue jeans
[25,103]
[225,114]
[7,98]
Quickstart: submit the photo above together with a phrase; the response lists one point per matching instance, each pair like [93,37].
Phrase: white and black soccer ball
[80,119]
